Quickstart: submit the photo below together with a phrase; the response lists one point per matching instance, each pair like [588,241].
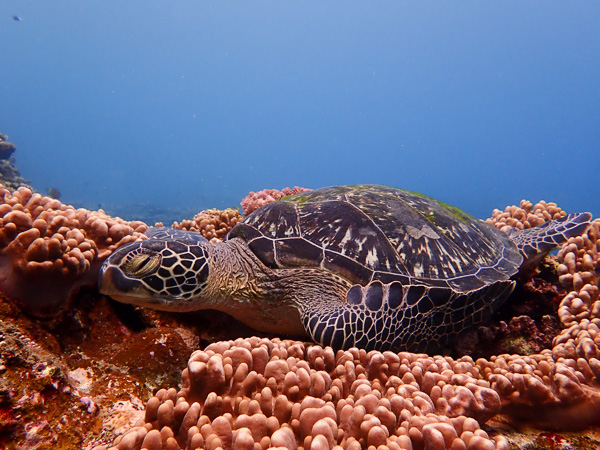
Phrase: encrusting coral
[48,249]
[213,224]
[255,200]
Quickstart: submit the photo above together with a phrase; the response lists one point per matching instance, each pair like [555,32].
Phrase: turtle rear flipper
[534,243]
[394,317]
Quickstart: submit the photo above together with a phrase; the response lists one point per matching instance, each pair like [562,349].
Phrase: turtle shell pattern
[366,232]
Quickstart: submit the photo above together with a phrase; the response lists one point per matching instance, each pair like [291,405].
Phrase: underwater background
[171,108]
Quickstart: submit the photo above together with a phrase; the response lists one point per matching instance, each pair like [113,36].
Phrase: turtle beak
[111,281]
[115,284]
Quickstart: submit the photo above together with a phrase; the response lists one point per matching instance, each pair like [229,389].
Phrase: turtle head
[168,271]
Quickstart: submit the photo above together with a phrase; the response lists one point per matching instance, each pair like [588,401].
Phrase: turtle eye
[141,264]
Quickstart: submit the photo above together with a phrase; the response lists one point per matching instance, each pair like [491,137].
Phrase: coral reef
[150,213]
[79,380]
[10,176]
[213,224]
[579,259]
[255,200]
[49,249]
[6,148]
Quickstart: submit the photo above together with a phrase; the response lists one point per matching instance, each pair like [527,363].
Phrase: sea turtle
[367,266]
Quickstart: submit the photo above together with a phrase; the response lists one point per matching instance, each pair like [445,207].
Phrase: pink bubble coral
[255,200]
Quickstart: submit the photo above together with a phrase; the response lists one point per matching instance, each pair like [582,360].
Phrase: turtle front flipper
[401,318]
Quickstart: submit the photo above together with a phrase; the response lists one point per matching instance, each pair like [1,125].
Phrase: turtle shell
[368,232]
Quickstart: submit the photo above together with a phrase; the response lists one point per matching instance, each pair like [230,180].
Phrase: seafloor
[77,374]
[78,380]
[81,377]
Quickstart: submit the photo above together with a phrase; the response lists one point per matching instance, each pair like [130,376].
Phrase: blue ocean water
[192,104]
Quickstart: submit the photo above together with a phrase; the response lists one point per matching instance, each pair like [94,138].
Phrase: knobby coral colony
[48,249]
[213,224]
[260,393]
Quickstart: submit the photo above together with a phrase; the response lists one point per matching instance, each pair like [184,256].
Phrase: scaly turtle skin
[367,266]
